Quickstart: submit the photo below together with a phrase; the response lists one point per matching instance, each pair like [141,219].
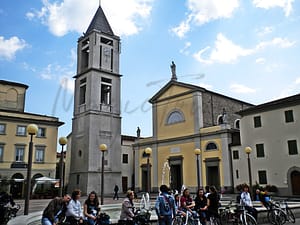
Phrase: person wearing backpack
[165,206]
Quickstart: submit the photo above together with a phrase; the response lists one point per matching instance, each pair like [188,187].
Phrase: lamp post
[197,152]
[62,141]
[148,151]
[103,149]
[248,150]
[31,130]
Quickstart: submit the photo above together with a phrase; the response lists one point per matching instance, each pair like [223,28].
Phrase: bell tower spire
[96,117]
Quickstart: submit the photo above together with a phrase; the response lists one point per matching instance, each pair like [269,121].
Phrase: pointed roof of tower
[100,23]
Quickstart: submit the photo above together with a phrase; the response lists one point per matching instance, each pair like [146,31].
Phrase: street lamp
[62,141]
[31,130]
[103,149]
[248,150]
[197,152]
[148,152]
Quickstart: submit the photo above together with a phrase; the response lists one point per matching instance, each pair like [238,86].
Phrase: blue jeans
[46,221]
[166,220]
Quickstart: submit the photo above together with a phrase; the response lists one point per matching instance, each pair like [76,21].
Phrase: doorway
[295,180]
[176,180]
[212,171]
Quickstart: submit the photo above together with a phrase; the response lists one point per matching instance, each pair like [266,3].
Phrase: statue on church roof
[173,70]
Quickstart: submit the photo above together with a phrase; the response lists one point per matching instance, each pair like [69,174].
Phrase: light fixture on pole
[103,149]
[148,152]
[197,152]
[62,141]
[248,151]
[31,130]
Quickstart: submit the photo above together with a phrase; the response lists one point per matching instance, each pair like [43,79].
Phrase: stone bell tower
[96,117]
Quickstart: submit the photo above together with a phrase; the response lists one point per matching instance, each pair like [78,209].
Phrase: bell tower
[96,116]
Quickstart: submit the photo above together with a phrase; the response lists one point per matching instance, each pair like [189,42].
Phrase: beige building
[14,140]
[272,130]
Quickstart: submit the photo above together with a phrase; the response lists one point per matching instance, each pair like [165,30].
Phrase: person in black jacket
[55,211]
[5,199]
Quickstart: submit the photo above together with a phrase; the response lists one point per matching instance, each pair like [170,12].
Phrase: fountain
[166,166]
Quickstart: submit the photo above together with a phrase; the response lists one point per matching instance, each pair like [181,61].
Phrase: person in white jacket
[74,214]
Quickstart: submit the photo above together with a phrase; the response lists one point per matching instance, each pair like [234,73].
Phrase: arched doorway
[16,187]
[295,182]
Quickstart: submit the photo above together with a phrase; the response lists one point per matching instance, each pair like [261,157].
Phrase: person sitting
[5,199]
[127,213]
[186,202]
[74,211]
[246,201]
[55,210]
[200,203]
[91,208]
[177,205]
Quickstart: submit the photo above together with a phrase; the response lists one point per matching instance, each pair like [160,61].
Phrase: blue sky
[247,50]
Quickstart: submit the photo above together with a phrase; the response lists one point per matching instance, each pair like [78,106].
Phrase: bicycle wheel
[276,216]
[248,219]
[177,220]
[215,221]
[224,218]
[290,215]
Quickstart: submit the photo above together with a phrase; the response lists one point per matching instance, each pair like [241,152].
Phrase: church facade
[188,117]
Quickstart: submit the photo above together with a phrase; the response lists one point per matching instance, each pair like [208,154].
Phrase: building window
[1,152]
[211,146]
[292,145]
[41,132]
[105,91]
[260,151]
[235,154]
[237,124]
[175,117]
[85,50]
[125,158]
[289,117]
[237,174]
[20,153]
[2,128]
[257,121]
[262,177]
[82,91]
[77,179]
[39,154]
[21,130]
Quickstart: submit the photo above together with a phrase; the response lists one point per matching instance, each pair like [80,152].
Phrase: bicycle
[290,217]
[236,215]
[9,213]
[187,218]
[275,214]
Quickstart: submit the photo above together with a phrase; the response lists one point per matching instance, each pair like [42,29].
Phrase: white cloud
[9,47]
[286,5]
[291,89]
[75,15]
[226,51]
[265,30]
[185,50]
[67,83]
[182,28]
[204,11]
[241,89]
[278,42]
[260,60]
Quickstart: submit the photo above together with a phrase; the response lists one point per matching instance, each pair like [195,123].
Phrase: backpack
[103,219]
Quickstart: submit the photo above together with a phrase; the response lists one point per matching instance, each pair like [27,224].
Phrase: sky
[245,49]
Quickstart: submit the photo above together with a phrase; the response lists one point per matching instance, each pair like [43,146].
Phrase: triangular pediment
[173,89]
